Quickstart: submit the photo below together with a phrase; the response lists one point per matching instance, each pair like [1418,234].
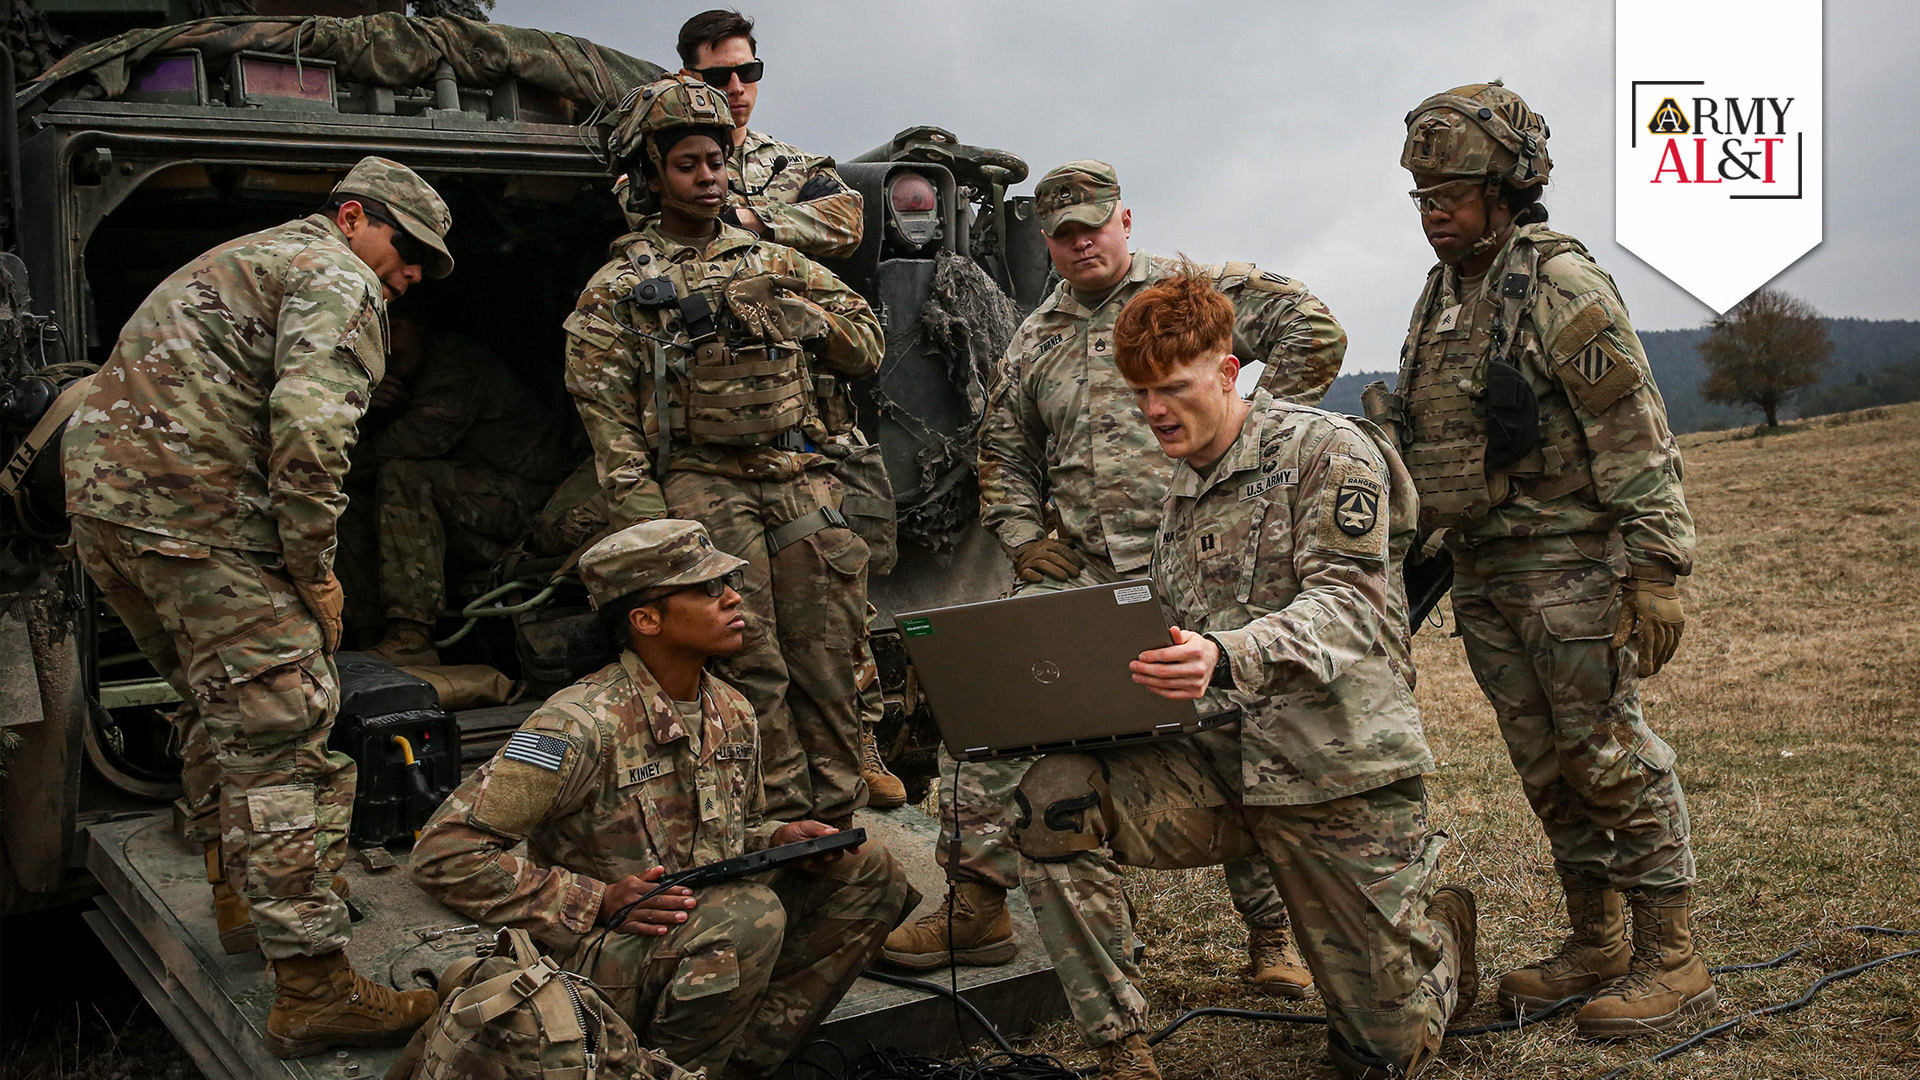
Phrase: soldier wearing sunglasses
[779,192]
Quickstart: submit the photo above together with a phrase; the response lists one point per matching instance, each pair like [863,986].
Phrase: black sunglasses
[411,250]
[732,579]
[719,77]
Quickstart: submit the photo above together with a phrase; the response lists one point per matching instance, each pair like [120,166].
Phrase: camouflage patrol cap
[1482,129]
[1086,191]
[416,206]
[658,554]
[677,101]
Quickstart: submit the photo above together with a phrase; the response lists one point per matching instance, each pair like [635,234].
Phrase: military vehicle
[135,154]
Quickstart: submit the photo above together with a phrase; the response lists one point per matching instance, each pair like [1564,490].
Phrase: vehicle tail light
[910,192]
[913,209]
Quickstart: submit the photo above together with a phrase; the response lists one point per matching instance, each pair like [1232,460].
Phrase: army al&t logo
[1717,154]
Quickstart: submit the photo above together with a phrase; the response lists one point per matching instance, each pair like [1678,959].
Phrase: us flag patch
[541,751]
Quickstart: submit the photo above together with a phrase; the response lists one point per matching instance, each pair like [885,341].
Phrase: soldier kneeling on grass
[1281,545]
[644,768]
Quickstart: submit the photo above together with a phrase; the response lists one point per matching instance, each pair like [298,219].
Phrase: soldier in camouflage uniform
[779,192]
[1279,561]
[647,767]
[464,467]
[1061,436]
[204,478]
[1539,442]
[710,370]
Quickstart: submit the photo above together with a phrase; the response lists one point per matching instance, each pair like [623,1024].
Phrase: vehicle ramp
[156,918]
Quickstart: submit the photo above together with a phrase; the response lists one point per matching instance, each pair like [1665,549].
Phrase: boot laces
[870,755]
[939,916]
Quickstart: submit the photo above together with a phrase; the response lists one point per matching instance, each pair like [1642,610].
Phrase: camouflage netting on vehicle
[385,50]
[968,321]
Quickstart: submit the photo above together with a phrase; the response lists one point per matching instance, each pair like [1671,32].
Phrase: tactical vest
[1443,392]
[723,375]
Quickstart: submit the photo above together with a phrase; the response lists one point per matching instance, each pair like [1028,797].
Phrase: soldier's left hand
[1180,671]
[1650,617]
[795,831]
[324,599]
[391,391]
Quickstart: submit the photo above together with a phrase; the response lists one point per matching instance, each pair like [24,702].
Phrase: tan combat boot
[1666,981]
[232,915]
[407,642]
[884,790]
[1274,966]
[982,932]
[1453,906]
[1127,1059]
[322,1002]
[1593,955]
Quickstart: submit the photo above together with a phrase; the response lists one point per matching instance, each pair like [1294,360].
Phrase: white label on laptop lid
[1133,594]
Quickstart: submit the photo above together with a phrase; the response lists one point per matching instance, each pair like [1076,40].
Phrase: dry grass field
[1794,704]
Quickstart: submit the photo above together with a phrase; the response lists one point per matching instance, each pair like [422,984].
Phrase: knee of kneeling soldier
[1060,807]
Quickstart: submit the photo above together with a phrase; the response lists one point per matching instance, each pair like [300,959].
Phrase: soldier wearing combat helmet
[1539,443]
[710,369]
[204,476]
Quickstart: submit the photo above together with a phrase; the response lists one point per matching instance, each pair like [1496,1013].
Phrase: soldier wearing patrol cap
[647,767]
[204,477]
[1061,434]
[1530,421]
[711,369]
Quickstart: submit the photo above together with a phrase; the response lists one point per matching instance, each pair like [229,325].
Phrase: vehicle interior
[523,245]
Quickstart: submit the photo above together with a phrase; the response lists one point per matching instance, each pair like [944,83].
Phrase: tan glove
[767,304]
[328,604]
[1037,559]
[1650,616]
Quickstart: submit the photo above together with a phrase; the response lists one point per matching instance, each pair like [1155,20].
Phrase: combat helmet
[675,102]
[1481,129]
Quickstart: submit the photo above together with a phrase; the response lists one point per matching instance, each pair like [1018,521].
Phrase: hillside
[1794,704]
[1863,351]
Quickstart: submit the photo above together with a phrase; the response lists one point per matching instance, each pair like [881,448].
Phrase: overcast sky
[1271,131]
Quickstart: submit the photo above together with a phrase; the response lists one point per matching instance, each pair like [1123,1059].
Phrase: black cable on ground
[959,1003]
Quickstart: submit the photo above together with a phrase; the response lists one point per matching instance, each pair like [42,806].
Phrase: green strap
[802,527]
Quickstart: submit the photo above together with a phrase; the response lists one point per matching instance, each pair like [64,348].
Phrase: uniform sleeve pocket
[715,971]
[591,329]
[1582,619]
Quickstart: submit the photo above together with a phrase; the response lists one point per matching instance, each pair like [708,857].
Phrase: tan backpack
[517,1015]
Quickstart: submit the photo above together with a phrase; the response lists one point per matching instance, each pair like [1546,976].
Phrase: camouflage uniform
[1062,435]
[465,466]
[806,205]
[1288,554]
[806,601]
[204,478]
[1537,577]
[629,781]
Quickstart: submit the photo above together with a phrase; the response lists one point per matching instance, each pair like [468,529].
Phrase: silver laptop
[1046,671]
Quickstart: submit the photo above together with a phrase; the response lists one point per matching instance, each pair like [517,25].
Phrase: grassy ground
[1794,704]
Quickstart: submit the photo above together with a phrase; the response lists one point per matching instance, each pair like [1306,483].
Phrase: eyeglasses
[1446,197]
[411,250]
[719,77]
[717,587]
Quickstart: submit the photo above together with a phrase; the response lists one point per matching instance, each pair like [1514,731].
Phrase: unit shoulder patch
[1353,519]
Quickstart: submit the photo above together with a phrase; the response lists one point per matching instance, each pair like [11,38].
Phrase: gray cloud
[1271,132]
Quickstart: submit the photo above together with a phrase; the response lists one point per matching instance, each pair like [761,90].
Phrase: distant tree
[1768,348]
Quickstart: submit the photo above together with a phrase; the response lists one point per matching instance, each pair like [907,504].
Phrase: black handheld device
[772,858]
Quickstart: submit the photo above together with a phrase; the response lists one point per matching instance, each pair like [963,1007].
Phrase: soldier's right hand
[391,391]
[324,599]
[1650,617]
[655,915]
[1044,558]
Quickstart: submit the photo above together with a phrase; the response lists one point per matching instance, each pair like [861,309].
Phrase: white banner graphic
[1717,129]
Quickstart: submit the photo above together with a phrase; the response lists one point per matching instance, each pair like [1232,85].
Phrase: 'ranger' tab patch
[532,748]
[1352,517]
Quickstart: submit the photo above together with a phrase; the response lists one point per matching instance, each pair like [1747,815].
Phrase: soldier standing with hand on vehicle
[710,371]
[1061,434]
[204,477]
[650,767]
[1540,446]
[1279,559]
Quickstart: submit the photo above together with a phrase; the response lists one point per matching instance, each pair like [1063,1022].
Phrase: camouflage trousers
[757,964]
[806,608]
[428,508]
[1356,874]
[227,629]
[1601,782]
[981,794]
